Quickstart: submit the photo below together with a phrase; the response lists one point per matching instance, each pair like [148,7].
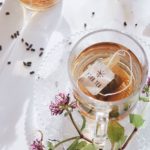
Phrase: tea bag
[110,89]
[96,77]
[99,79]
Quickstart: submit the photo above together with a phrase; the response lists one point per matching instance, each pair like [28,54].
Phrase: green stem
[41,134]
[129,138]
[78,130]
[66,140]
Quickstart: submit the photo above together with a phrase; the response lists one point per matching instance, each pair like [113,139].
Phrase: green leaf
[89,147]
[115,131]
[81,145]
[136,120]
[119,144]
[73,145]
[144,99]
[50,145]
[83,123]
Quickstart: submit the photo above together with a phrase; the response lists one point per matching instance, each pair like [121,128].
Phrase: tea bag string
[122,53]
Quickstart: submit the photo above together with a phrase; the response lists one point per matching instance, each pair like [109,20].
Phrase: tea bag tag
[96,77]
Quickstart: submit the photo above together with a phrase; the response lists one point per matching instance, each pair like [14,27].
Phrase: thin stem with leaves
[78,130]
[66,140]
[129,139]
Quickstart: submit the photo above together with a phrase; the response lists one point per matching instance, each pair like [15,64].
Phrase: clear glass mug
[99,110]
[39,4]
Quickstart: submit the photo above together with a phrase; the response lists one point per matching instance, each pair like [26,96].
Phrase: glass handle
[100,134]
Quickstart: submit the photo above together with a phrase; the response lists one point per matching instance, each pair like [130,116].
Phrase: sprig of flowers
[116,132]
[38,143]
[62,102]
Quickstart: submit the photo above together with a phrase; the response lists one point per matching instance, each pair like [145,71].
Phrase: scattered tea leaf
[136,120]
[50,145]
[115,131]
[83,123]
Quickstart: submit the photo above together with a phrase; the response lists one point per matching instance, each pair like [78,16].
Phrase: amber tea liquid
[121,69]
[38,4]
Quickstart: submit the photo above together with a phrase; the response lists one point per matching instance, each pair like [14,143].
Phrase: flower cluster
[37,145]
[62,102]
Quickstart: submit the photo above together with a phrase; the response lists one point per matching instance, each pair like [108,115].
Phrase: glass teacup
[107,69]
[38,4]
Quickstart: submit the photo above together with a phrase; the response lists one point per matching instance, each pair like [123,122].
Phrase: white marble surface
[65,19]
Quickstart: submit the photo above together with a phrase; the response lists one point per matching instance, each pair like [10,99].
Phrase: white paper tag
[96,77]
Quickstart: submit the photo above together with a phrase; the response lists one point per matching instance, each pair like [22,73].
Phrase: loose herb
[28,49]
[32,72]
[17,32]
[26,43]
[125,24]
[28,64]
[15,35]
[41,49]
[85,25]
[32,49]
[0,47]
[30,46]
[69,43]
[40,54]
[22,40]
[12,37]
[9,62]
[7,13]
[1,3]
[93,14]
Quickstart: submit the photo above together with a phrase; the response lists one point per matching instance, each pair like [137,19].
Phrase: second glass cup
[107,69]
[38,4]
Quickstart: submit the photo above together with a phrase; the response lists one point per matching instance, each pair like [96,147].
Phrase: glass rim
[94,99]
